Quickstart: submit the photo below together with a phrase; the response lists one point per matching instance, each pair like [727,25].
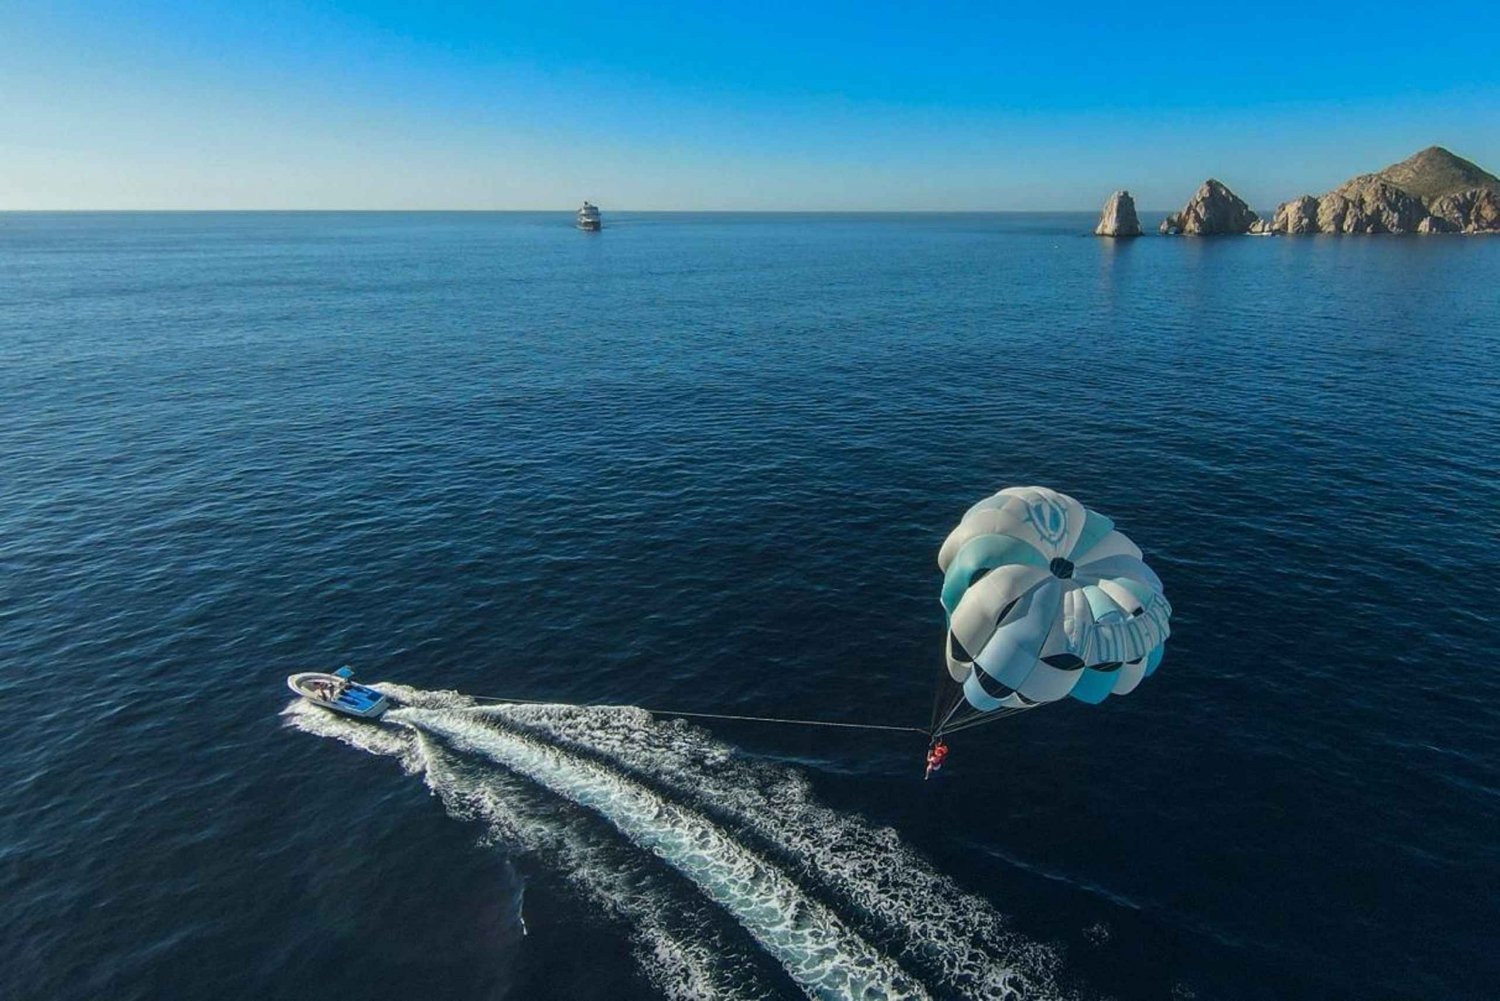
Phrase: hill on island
[1435,172]
[1433,191]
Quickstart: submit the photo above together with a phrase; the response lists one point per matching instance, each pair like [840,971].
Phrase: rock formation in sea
[1118,217]
[1212,210]
[1433,191]
[1300,215]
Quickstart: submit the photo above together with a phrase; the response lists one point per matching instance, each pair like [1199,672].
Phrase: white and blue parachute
[1044,599]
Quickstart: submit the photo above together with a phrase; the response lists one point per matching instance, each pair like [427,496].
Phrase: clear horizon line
[561,211]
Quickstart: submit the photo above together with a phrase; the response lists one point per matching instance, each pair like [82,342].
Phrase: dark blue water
[706,462]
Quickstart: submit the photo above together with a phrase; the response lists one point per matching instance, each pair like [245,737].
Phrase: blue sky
[729,105]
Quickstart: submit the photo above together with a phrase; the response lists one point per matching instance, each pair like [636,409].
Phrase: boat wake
[669,831]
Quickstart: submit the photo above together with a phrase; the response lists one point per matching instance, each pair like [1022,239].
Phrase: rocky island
[1433,191]
[1213,209]
[1119,218]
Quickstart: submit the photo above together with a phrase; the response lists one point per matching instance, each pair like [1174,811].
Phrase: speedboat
[335,691]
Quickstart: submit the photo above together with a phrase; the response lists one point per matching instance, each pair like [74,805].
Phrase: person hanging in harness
[936,754]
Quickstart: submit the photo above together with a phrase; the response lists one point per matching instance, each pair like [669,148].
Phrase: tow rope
[701,715]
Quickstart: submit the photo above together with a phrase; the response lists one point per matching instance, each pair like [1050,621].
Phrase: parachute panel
[984,553]
[978,615]
[1016,646]
[1129,675]
[1095,685]
[1113,544]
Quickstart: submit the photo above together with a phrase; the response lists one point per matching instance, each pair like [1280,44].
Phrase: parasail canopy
[1045,599]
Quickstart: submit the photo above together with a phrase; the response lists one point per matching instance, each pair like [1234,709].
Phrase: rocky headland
[1433,191]
[1118,218]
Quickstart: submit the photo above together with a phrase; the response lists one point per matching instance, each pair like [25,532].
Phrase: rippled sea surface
[705,462]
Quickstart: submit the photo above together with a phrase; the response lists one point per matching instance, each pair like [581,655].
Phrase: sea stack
[1432,191]
[1118,218]
[1212,210]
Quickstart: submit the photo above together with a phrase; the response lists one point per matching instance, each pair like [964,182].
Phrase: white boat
[588,218]
[335,691]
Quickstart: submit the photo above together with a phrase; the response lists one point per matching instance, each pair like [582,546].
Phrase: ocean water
[704,463]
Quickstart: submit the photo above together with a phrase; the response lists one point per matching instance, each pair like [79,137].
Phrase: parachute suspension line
[939,715]
[982,719]
[940,726]
[944,711]
[701,715]
[937,701]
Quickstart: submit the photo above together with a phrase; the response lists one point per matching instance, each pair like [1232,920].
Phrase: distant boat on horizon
[588,218]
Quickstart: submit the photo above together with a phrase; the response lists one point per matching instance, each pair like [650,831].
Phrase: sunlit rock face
[1473,211]
[1118,218]
[1432,191]
[1300,215]
[1212,210]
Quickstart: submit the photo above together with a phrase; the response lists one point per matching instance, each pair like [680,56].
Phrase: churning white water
[846,909]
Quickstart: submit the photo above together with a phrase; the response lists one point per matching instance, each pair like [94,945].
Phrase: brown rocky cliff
[1432,191]
[1473,211]
[1212,210]
[1370,204]
[1300,215]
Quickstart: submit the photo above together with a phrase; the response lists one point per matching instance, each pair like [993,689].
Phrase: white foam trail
[826,957]
[674,944]
[388,741]
[881,893]
[678,954]
[958,941]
